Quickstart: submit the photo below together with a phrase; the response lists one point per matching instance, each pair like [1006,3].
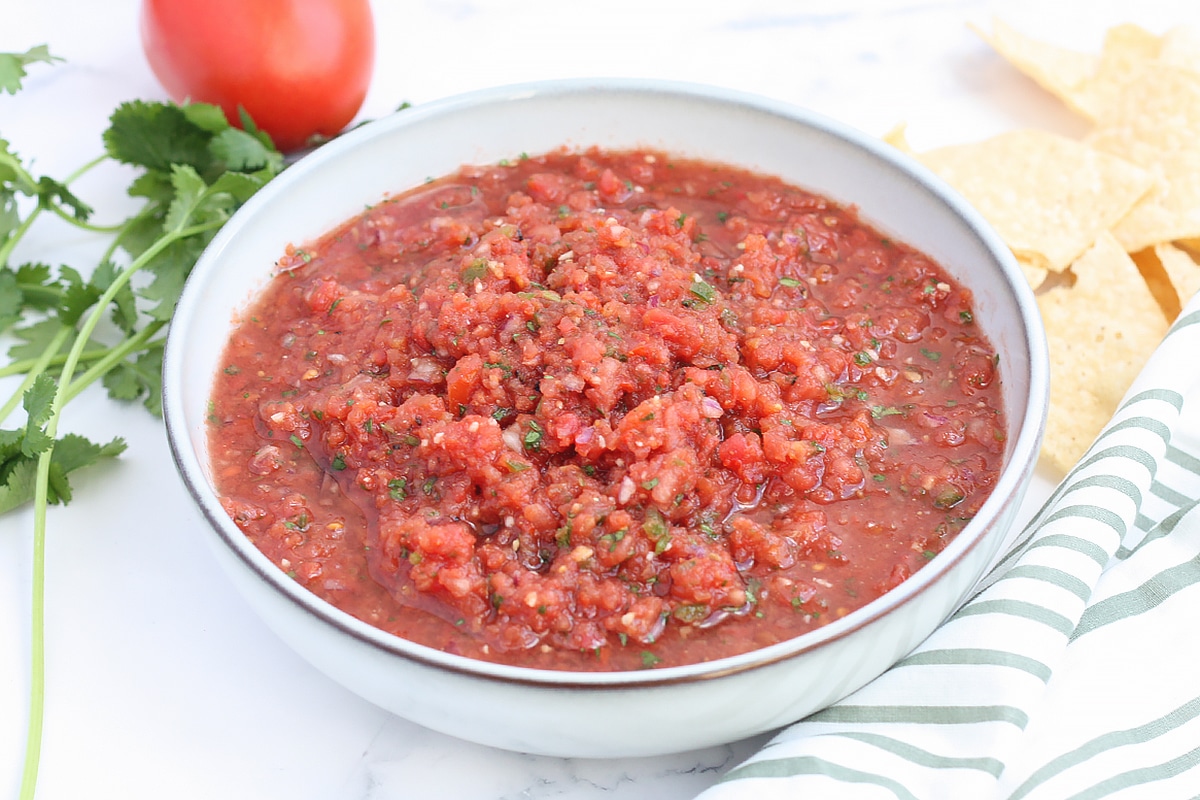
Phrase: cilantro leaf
[144,230]
[10,447]
[140,378]
[154,186]
[18,472]
[247,124]
[12,66]
[10,299]
[78,296]
[242,151]
[10,218]
[195,203]
[72,451]
[241,186]
[13,180]
[9,174]
[19,480]
[157,136]
[124,309]
[37,338]
[38,403]
[190,193]
[50,191]
[39,290]
[206,117]
[171,268]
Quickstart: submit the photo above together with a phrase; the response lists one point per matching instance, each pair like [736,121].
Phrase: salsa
[605,411]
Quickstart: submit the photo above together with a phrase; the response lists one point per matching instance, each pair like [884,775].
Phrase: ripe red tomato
[299,67]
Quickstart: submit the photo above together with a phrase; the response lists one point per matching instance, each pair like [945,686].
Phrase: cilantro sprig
[193,171]
[12,66]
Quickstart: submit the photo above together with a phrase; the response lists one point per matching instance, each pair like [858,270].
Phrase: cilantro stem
[87,226]
[37,648]
[88,357]
[80,171]
[192,197]
[49,293]
[98,311]
[23,366]
[37,643]
[37,367]
[110,358]
[111,250]
[37,691]
[23,176]
[15,236]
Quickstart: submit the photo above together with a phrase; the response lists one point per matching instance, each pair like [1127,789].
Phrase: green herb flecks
[533,437]
[398,489]
[649,660]
[656,527]
[948,498]
[474,271]
[702,289]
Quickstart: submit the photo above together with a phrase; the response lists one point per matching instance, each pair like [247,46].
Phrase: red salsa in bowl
[605,411]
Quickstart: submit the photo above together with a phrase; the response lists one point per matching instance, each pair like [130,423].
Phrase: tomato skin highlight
[300,68]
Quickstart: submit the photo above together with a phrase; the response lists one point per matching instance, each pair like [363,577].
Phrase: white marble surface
[160,683]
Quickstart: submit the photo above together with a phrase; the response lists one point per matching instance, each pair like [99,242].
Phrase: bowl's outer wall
[608,722]
[404,150]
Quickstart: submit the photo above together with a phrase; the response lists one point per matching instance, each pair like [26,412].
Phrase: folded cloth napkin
[1072,671]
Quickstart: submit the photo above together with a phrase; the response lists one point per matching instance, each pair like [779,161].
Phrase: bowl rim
[1013,478]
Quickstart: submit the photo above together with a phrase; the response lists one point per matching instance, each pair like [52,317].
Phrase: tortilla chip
[1100,332]
[1034,274]
[1154,122]
[1191,246]
[1128,49]
[1181,48]
[1047,196]
[1157,281]
[897,137]
[1071,215]
[1182,269]
[1056,69]
[1090,83]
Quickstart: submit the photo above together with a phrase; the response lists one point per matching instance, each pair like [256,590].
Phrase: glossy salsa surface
[605,411]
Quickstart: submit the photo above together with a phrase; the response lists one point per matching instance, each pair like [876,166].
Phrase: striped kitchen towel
[1073,671]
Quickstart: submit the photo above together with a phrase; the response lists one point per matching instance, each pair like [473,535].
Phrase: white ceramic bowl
[606,714]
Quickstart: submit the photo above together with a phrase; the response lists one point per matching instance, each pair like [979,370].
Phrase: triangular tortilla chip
[1100,332]
[897,137]
[1056,69]
[1034,274]
[1047,196]
[1181,47]
[1155,122]
[1182,269]
[1090,83]
[1128,49]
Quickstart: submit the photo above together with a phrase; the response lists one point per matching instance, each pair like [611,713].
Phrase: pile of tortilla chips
[1106,229]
